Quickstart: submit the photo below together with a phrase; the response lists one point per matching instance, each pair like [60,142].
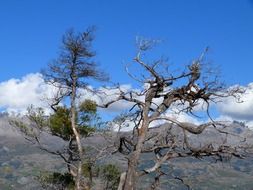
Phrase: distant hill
[21,162]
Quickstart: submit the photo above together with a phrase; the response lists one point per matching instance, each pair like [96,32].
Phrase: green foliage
[90,169]
[88,114]
[56,180]
[87,169]
[88,117]
[86,130]
[60,124]
[88,106]
[111,175]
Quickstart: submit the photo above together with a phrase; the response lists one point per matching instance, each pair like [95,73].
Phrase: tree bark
[77,135]
[122,181]
[132,176]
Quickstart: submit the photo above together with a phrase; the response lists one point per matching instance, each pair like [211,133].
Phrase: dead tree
[163,91]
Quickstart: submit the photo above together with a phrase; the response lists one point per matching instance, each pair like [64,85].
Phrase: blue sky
[31,33]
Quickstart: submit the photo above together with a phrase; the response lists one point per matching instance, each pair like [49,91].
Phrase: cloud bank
[242,111]
[18,94]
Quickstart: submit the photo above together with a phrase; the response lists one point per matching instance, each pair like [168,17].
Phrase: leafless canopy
[165,91]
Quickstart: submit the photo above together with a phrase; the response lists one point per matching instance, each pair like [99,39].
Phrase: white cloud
[183,117]
[105,95]
[17,94]
[240,111]
[229,108]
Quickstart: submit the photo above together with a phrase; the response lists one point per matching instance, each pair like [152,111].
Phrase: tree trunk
[71,169]
[132,176]
[90,176]
[130,182]
[77,135]
[122,181]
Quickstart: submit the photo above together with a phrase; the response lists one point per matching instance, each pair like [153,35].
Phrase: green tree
[58,124]
[69,73]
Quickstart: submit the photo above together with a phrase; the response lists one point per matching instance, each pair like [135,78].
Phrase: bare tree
[166,91]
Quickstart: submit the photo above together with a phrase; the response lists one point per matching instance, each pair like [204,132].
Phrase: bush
[111,175]
[56,181]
